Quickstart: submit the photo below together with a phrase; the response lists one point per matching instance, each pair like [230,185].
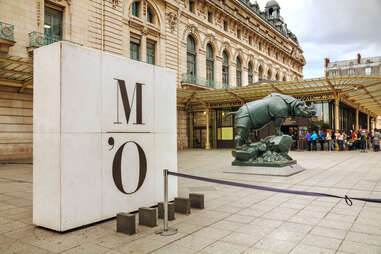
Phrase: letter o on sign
[117,168]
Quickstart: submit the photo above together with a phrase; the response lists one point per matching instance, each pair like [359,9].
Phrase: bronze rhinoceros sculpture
[274,107]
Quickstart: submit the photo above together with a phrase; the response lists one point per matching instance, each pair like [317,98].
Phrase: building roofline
[266,21]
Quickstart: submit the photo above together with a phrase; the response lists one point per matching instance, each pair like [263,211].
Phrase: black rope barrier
[347,199]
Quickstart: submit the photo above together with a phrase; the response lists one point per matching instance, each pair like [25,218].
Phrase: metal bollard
[166,230]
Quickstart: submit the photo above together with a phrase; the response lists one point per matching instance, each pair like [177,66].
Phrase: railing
[191,79]
[7,31]
[37,39]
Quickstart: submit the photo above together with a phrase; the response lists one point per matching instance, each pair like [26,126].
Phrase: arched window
[135,8]
[209,65]
[250,73]
[225,69]
[260,73]
[239,72]
[191,56]
[150,15]
[277,77]
[268,75]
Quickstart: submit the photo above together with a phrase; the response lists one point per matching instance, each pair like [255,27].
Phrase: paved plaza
[235,220]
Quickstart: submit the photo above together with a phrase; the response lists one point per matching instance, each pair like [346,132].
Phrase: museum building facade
[211,44]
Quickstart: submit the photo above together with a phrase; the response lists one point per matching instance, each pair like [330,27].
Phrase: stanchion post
[165,199]
[166,230]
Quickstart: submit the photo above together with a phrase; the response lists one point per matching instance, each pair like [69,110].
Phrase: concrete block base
[126,223]
[171,210]
[148,216]
[196,200]
[182,205]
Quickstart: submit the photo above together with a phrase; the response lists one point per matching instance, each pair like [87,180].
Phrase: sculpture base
[266,170]
[264,164]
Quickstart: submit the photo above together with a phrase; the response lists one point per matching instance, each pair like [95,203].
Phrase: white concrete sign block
[104,130]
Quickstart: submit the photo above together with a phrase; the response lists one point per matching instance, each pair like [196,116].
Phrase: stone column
[143,49]
[207,144]
[190,115]
[368,121]
[337,107]
[201,64]
[214,128]
[245,78]
[232,75]
[375,121]
[357,118]
[218,72]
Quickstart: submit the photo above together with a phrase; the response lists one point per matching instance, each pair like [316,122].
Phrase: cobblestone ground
[235,220]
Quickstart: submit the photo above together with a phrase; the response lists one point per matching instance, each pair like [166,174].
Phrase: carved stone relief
[172,20]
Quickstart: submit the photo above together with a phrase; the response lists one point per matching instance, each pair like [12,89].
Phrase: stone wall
[16,124]
[182,137]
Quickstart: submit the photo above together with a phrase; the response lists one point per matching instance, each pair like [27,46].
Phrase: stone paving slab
[235,220]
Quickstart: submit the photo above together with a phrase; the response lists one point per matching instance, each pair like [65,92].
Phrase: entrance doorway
[293,131]
[199,134]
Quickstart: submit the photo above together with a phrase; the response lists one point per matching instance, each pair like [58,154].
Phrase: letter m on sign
[127,106]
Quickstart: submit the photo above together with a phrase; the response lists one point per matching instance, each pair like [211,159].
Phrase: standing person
[345,137]
[308,140]
[314,138]
[337,140]
[328,138]
[321,140]
[362,141]
[354,137]
[340,140]
[358,140]
[376,140]
[333,136]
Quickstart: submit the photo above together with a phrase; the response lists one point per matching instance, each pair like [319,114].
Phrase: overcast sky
[337,29]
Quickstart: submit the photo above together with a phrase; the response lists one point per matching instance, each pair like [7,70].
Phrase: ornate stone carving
[67,1]
[225,46]
[115,3]
[172,20]
[191,29]
[209,38]
[238,52]
[38,9]
[145,31]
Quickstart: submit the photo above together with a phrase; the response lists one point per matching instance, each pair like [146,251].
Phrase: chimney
[326,62]
[358,58]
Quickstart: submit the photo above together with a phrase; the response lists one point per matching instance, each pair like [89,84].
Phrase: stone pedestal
[182,205]
[196,200]
[148,216]
[171,210]
[126,223]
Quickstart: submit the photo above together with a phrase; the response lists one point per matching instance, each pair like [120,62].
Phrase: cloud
[336,29]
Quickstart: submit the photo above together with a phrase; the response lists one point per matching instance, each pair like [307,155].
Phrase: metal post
[165,199]
[166,230]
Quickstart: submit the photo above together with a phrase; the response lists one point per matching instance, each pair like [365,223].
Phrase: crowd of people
[340,140]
